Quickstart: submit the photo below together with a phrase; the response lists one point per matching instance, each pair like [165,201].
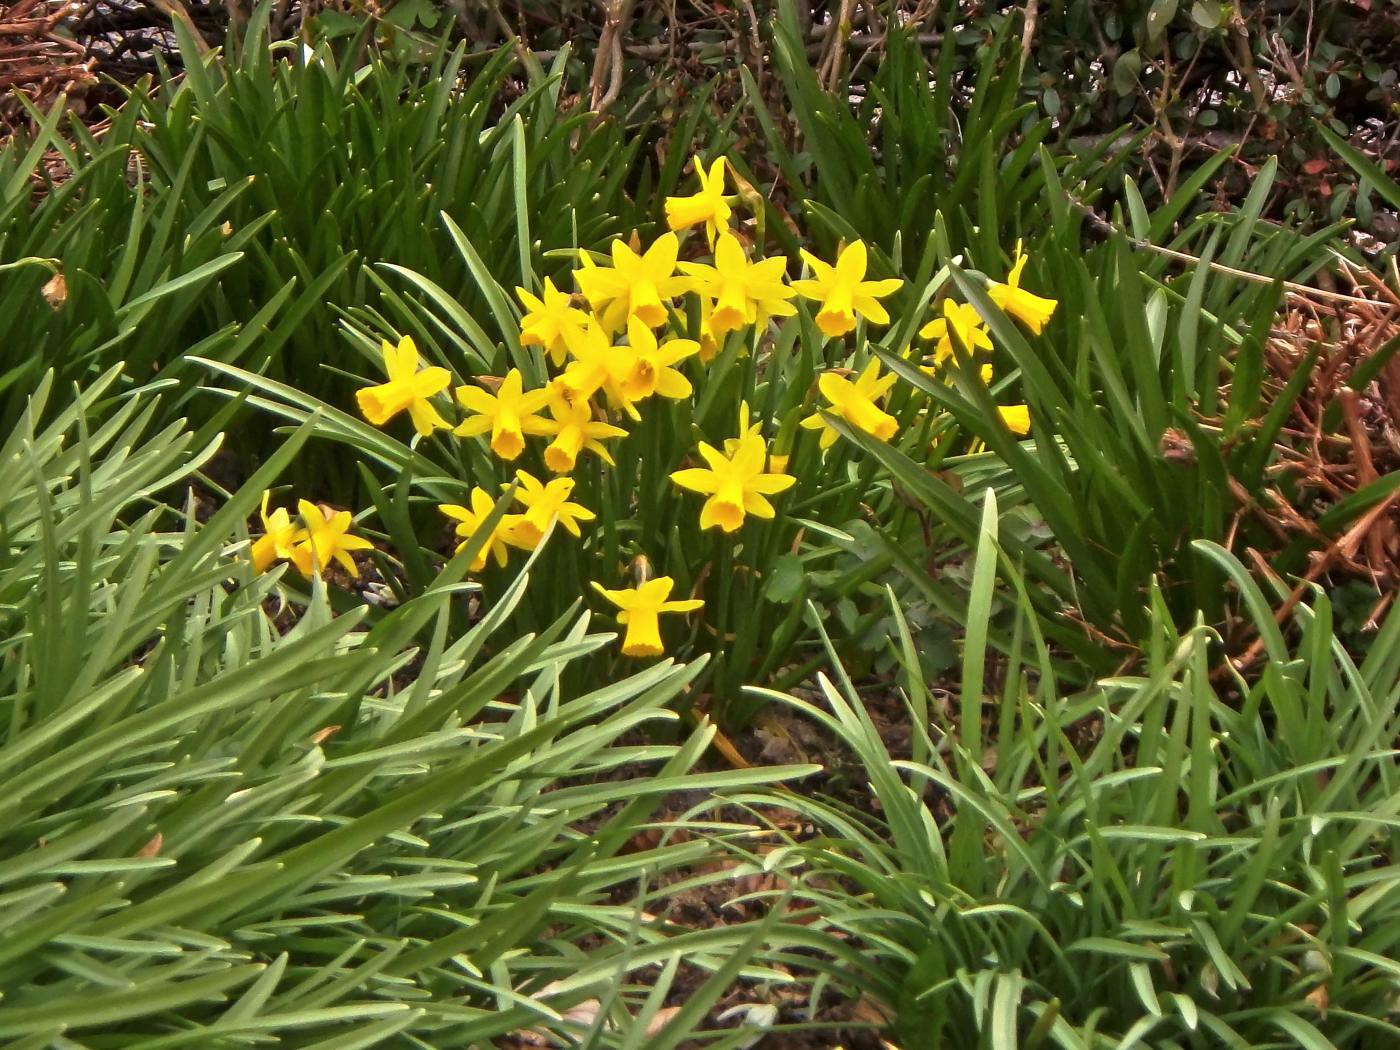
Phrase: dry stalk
[36,58]
[608,63]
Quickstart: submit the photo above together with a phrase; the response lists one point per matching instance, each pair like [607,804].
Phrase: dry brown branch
[175,10]
[830,67]
[1343,548]
[36,60]
[1028,31]
[608,63]
[1292,289]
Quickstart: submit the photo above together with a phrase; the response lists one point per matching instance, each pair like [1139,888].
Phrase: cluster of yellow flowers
[608,358]
[961,320]
[323,537]
[544,503]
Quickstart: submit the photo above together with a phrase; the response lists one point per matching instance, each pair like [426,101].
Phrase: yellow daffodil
[710,340]
[651,370]
[1016,417]
[855,403]
[598,365]
[1033,311]
[408,388]
[543,502]
[708,206]
[962,320]
[641,608]
[634,285]
[507,532]
[777,464]
[326,538]
[550,321]
[844,292]
[574,430]
[279,533]
[509,414]
[592,366]
[744,292]
[737,484]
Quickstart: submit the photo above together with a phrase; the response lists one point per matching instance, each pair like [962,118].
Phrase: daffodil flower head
[742,292]
[777,464]
[546,502]
[747,426]
[844,292]
[592,366]
[1016,417]
[1033,311]
[855,402]
[961,320]
[551,321]
[708,206]
[325,538]
[710,340]
[509,414]
[641,609]
[652,369]
[470,520]
[279,535]
[634,285]
[408,389]
[736,481]
[600,366]
[574,429]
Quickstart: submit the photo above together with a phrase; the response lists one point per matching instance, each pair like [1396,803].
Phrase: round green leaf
[1126,72]
[1207,14]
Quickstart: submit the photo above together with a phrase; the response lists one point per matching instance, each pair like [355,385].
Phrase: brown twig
[607,63]
[1028,30]
[1344,546]
[830,68]
[1291,288]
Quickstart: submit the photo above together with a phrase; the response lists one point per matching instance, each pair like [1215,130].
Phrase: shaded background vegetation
[1194,76]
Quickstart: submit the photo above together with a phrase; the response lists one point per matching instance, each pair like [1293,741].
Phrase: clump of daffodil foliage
[669,433]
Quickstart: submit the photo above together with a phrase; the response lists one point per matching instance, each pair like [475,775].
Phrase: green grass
[1177,858]
[228,820]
